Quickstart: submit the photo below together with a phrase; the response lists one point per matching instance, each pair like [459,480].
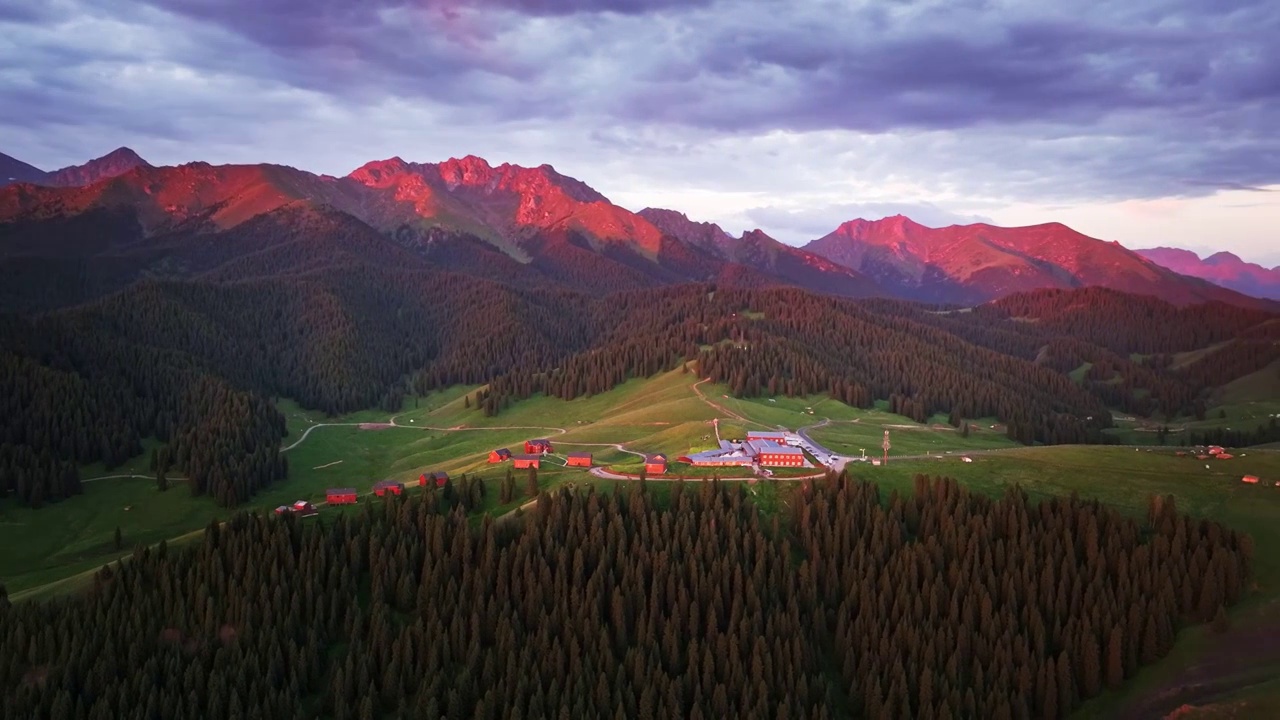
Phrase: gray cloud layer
[998,98]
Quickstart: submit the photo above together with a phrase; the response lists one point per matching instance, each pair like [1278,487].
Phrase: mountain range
[102,225]
[1222,268]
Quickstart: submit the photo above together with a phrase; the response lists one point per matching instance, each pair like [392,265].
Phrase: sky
[1142,121]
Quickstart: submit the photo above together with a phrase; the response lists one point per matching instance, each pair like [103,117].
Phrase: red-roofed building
[527,461]
[538,446]
[1251,479]
[341,496]
[388,486]
[578,459]
[655,464]
[499,455]
[437,477]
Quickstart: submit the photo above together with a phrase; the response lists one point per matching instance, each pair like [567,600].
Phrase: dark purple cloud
[1122,98]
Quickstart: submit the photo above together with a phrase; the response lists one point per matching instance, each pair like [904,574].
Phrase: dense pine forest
[197,363]
[943,604]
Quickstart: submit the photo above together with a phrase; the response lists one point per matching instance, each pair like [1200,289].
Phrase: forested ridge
[196,363]
[941,604]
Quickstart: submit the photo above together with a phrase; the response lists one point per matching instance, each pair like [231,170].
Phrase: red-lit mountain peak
[113,164]
[979,262]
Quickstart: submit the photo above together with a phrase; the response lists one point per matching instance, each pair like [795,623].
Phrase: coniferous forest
[196,364]
[943,604]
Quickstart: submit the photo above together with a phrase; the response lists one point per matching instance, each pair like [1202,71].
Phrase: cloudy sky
[1142,121]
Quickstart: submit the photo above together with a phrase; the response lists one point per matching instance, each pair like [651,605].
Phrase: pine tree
[1220,622]
[118,539]
[1115,658]
[531,485]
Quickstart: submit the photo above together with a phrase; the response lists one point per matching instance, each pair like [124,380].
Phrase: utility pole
[886,447]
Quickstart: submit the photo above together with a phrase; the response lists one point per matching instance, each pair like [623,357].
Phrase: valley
[260,335]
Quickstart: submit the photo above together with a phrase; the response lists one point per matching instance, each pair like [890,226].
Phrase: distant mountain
[116,162]
[1221,268]
[758,251]
[13,170]
[704,235]
[523,226]
[970,264]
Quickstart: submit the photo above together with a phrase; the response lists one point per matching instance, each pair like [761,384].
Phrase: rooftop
[760,447]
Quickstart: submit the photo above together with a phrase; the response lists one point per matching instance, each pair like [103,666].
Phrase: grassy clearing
[1242,404]
[907,437]
[41,546]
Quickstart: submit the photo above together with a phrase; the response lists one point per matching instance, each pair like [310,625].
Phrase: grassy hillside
[1242,404]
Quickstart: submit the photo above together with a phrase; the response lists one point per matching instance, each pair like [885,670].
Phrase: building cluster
[534,450]
[1215,452]
[766,449]
[301,508]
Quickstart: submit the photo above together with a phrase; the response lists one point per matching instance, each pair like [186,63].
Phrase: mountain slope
[1221,268]
[13,170]
[756,250]
[971,264]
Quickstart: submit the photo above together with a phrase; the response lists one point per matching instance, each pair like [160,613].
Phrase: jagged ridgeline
[939,605]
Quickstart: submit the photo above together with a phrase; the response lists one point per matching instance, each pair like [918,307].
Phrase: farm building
[341,496]
[655,464]
[767,436]
[436,477]
[578,459]
[752,452]
[729,454]
[1215,449]
[772,454]
[538,446]
[499,455]
[1224,456]
[1251,479]
[527,461]
[388,486]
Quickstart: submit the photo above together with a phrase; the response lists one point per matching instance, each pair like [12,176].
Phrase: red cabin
[438,478]
[527,461]
[341,496]
[1251,479]
[579,459]
[538,446]
[388,486]
[655,464]
[499,455]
